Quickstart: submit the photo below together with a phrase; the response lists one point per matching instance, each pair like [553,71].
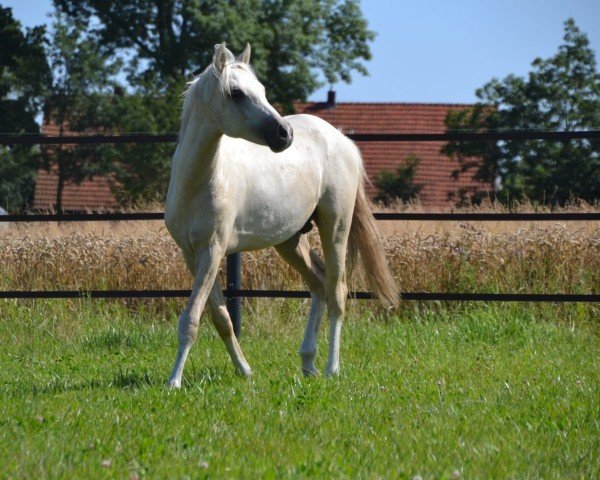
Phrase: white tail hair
[364,240]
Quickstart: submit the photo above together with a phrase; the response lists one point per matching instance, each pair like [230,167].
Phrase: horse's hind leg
[222,322]
[334,230]
[297,252]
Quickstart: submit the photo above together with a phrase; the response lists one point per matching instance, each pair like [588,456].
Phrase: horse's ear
[245,55]
[222,56]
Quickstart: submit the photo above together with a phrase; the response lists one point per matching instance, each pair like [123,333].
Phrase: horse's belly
[269,226]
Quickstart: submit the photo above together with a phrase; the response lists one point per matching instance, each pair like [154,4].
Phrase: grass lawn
[472,391]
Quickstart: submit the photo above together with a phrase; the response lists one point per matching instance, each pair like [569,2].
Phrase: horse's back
[318,127]
[340,158]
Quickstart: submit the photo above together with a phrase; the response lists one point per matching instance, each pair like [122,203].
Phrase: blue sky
[439,51]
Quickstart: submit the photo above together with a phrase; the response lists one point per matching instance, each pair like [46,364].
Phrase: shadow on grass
[132,379]
[122,379]
[113,338]
[193,377]
[208,375]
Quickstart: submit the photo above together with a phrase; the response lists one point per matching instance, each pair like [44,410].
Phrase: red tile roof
[434,172]
[435,169]
[90,195]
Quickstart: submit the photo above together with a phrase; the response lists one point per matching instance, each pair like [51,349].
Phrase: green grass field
[472,391]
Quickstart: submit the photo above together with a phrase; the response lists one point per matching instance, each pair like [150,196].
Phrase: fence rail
[246,293]
[407,216]
[458,136]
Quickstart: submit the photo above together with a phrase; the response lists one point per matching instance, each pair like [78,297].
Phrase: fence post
[234,282]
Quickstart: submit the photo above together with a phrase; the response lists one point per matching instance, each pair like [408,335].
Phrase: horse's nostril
[279,136]
[283,133]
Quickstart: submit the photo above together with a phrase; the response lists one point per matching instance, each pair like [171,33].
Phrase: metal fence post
[234,282]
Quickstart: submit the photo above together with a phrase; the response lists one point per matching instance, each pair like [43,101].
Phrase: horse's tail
[364,240]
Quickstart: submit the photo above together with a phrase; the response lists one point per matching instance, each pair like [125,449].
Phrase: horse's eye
[236,94]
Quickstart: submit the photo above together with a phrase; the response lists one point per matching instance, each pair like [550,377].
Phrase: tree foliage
[297,44]
[121,67]
[560,93]
[24,73]
[79,99]
[142,171]
[399,185]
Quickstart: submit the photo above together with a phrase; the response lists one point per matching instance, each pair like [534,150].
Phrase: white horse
[245,178]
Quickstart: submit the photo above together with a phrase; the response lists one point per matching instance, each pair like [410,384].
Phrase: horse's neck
[195,158]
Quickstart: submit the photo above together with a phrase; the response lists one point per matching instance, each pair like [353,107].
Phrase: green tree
[142,170]
[79,100]
[399,185]
[297,44]
[24,73]
[560,93]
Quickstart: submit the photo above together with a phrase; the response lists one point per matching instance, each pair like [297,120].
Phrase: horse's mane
[198,90]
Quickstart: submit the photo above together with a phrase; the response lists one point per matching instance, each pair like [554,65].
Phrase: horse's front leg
[206,267]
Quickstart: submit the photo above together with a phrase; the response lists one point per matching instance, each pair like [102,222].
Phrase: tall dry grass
[395,227]
[446,258]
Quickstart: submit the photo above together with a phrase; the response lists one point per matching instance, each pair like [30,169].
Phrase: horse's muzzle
[279,136]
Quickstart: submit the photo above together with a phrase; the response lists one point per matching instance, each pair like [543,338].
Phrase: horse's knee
[187,328]
[336,309]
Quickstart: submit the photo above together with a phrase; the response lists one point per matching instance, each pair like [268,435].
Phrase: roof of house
[435,170]
[90,195]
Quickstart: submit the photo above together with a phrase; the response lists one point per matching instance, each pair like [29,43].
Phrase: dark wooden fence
[234,291]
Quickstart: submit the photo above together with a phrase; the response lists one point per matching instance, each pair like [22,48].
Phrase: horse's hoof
[310,372]
[332,372]
[244,371]
[174,383]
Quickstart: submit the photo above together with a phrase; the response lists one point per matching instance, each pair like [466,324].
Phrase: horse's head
[240,108]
